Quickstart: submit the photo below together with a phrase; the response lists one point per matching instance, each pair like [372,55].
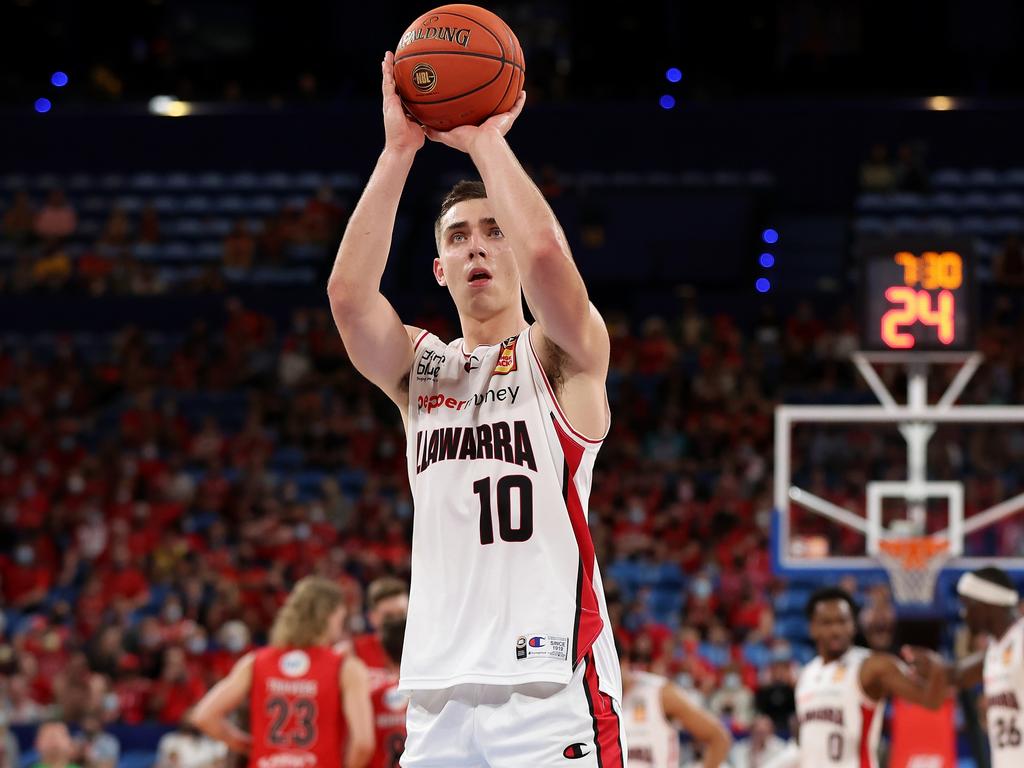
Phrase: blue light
[667,102]
[767,260]
[59,79]
[763,285]
[770,236]
[673,75]
[43,105]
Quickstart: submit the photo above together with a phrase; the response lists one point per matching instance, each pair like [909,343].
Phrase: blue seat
[129,203]
[179,181]
[872,201]
[871,225]
[144,181]
[230,204]
[948,177]
[276,180]
[112,181]
[983,177]
[977,201]
[80,181]
[310,180]
[167,204]
[243,181]
[211,180]
[264,204]
[200,204]
[146,251]
[1011,202]
[340,180]
[1014,177]
[15,182]
[209,250]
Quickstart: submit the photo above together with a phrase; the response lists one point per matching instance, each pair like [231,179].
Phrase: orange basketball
[458,65]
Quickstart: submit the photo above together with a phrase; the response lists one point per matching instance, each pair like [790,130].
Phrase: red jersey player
[381,651]
[304,698]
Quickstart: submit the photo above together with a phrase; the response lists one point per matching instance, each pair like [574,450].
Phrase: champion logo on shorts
[575,751]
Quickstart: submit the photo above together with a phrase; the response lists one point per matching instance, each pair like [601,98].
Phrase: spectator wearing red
[176,689]
[57,219]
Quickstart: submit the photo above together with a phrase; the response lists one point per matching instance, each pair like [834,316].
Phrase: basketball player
[840,694]
[651,708]
[509,659]
[381,651]
[303,696]
[991,608]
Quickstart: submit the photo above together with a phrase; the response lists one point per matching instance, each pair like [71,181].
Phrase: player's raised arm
[211,713]
[967,672]
[884,675]
[379,346]
[553,286]
[704,727]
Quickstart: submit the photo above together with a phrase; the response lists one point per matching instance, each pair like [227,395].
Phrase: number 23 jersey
[296,715]
[839,725]
[505,588]
[1004,696]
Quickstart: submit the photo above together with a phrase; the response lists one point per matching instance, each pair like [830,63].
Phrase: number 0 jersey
[505,587]
[1004,696]
[296,715]
[839,725]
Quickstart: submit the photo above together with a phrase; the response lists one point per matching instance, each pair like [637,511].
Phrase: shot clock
[917,297]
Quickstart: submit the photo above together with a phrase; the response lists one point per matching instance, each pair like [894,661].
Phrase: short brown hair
[303,617]
[463,190]
[383,588]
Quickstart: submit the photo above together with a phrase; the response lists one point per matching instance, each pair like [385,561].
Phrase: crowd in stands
[160,494]
[52,254]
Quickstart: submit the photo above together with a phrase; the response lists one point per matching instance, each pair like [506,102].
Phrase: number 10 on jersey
[523,528]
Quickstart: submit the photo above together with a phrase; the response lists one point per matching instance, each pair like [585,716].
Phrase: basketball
[458,65]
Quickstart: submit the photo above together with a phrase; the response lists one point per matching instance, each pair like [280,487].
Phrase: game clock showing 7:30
[917,299]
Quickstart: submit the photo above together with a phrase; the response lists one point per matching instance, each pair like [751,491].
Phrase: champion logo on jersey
[507,357]
[536,642]
[575,751]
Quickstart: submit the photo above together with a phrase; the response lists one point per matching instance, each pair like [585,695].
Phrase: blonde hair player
[306,700]
[841,693]
[991,607]
[509,658]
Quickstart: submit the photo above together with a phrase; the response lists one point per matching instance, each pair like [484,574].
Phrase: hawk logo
[575,751]
[507,357]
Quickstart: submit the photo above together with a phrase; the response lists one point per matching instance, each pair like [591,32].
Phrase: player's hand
[401,132]
[464,137]
[924,661]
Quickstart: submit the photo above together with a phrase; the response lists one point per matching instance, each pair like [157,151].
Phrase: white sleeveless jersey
[839,725]
[1004,694]
[652,740]
[505,587]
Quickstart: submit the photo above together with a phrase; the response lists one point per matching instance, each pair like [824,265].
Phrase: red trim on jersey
[867,716]
[607,726]
[588,613]
[551,392]
[419,340]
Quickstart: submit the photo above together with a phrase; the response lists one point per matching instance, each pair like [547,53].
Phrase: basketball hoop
[913,565]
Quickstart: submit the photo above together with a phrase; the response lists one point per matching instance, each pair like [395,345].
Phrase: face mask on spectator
[302,531]
[24,555]
[234,644]
[636,514]
[196,645]
[702,588]
[110,702]
[76,483]
[731,681]
[684,681]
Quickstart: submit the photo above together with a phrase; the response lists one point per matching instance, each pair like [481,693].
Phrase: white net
[913,565]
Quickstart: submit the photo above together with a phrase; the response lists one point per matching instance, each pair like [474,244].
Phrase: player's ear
[439,272]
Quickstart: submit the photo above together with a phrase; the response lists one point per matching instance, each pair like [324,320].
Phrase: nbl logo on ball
[424,79]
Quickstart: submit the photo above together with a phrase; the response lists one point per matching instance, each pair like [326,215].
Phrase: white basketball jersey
[505,587]
[652,740]
[839,725]
[1004,694]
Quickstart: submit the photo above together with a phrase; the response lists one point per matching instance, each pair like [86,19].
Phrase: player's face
[475,261]
[394,607]
[974,614]
[832,627]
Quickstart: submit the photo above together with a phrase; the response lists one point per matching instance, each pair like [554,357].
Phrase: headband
[985,591]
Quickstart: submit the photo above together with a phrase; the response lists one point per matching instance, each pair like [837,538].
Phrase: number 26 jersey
[1004,697]
[505,588]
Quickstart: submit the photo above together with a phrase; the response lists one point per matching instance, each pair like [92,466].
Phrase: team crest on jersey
[640,712]
[507,357]
[840,674]
[1008,656]
[294,663]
